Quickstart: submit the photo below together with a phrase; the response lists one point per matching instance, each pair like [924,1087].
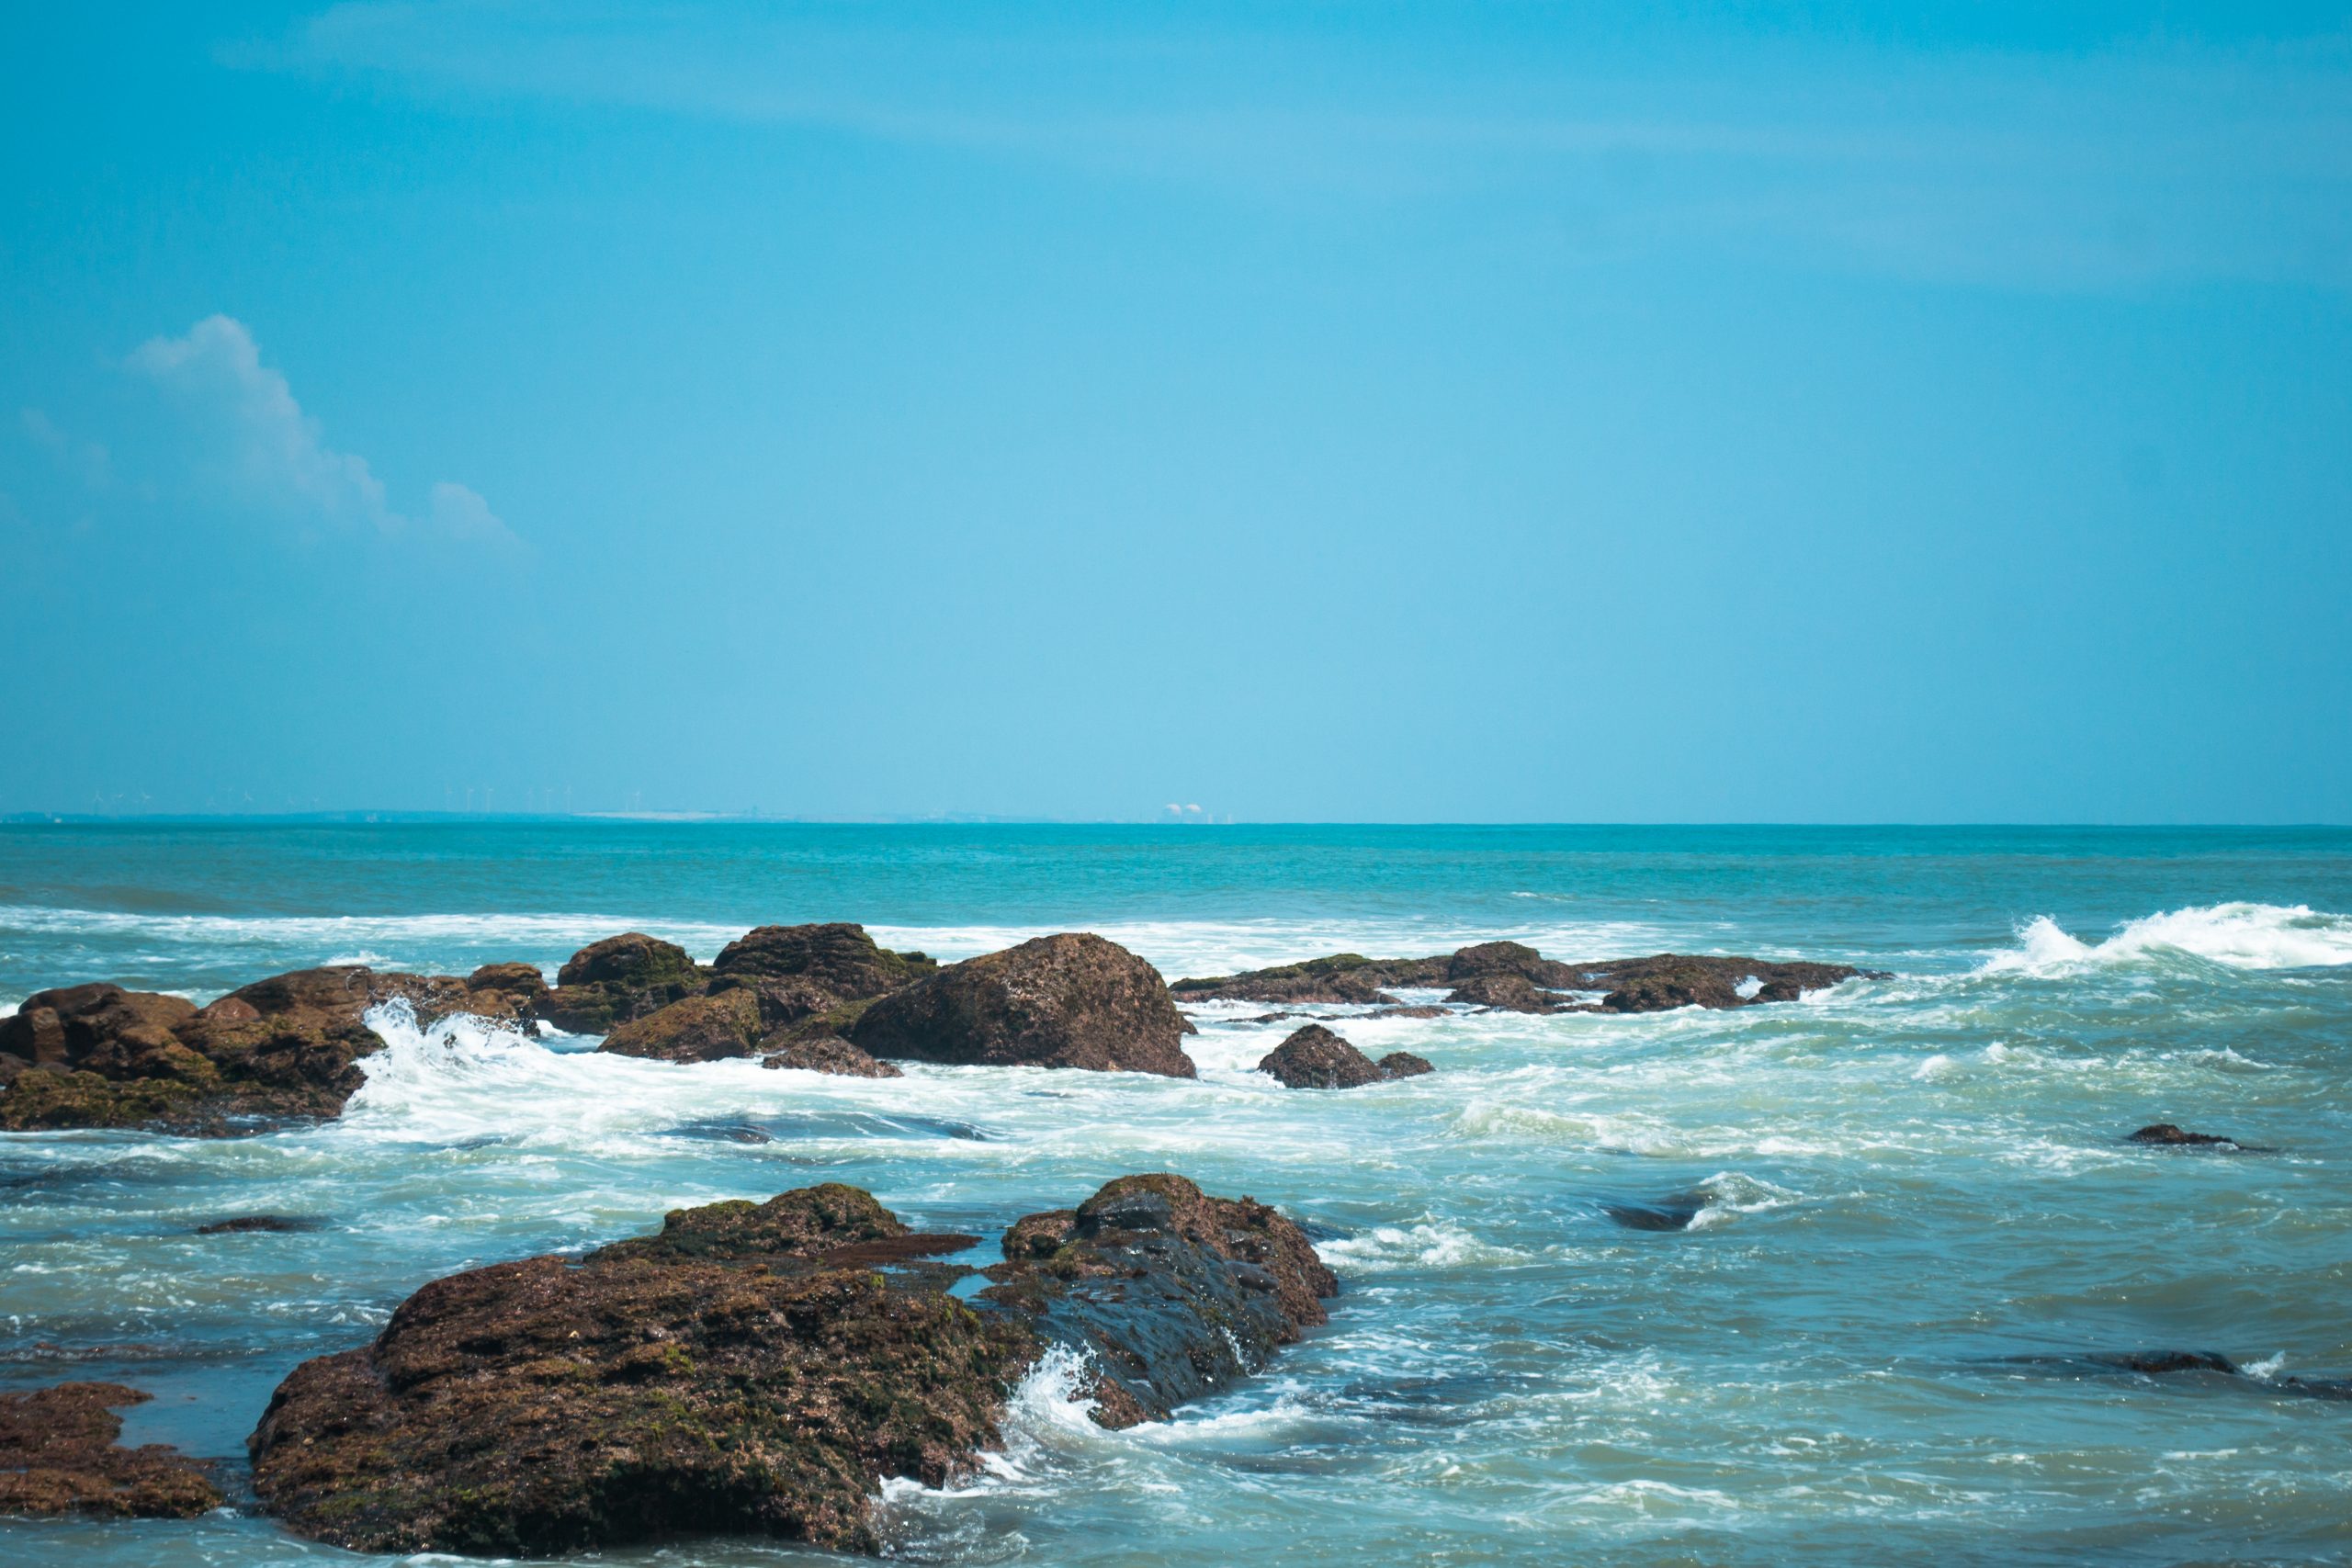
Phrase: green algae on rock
[58,1455]
[759,1368]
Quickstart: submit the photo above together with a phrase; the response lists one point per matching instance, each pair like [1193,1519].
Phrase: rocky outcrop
[1314,1057]
[1344,978]
[1071,1001]
[759,1368]
[282,1049]
[1505,993]
[1672,980]
[821,966]
[699,1029]
[619,978]
[58,1455]
[1512,976]
[1168,1295]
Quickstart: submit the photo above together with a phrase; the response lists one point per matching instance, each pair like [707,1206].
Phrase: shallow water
[1911,1197]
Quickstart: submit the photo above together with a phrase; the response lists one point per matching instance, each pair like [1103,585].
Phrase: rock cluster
[1314,1057]
[282,1049]
[58,1455]
[1515,977]
[759,1368]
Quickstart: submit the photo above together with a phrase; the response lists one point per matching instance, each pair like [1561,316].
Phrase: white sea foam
[1384,1248]
[2241,936]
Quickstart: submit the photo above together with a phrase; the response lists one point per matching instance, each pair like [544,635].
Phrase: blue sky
[1507,411]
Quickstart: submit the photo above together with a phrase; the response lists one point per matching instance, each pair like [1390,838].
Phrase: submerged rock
[1314,1057]
[2166,1135]
[619,978]
[1674,1214]
[58,1456]
[2209,1364]
[1072,1001]
[759,1368]
[1512,974]
[830,1053]
[242,1224]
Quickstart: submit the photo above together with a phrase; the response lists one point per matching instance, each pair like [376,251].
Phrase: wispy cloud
[255,447]
[88,461]
[2089,166]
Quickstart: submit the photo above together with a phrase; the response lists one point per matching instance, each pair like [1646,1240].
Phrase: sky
[1498,412]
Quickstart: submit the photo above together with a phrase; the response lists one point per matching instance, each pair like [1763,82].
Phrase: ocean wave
[2240,936]
[1384,1248]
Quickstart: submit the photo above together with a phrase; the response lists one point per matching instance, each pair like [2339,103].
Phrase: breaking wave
[2241,936]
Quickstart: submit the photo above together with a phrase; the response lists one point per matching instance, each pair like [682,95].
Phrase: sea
[1916,1225]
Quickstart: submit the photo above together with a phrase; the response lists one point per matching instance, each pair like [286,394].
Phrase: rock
[2211,1365]
[619,978]
[1674,1214]
[1504,992]
[2165,1134]
[506,994]
[830,1053]
[747,1371]
[282,1049]
[1518,975]
[759,1369]
[699,1029]
[833,963]
[1172,1294]
[1342,978]
[1490,960]
[58,1456]
[1055,1001]
[1314,1057]
[244,1222]
[1672,980]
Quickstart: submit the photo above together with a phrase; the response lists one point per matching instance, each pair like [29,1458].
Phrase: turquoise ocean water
[1916,1201]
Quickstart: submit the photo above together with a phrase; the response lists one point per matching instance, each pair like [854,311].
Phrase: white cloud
[259,448]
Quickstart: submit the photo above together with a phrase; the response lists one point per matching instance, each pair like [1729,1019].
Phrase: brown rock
[838,963]
[1505,991]
[699,1029]
[619,978]
[1314,1057]
[58,1456]
[1056,1001]
[830,1053]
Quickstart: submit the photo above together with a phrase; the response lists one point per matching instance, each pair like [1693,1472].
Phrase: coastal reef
[821,997]
[759,1368]
[1514,977]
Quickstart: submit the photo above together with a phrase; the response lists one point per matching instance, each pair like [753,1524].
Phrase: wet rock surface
[283,1049]
[58,1455]
[1071,1001]
[2191,1366]
[2164,1134]
[618,979]
[830,1053]
[1315,1057]
[699,1029]
[828,965]
[1513,976]
[760,1368]
[282,1225]
[1169,1293]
